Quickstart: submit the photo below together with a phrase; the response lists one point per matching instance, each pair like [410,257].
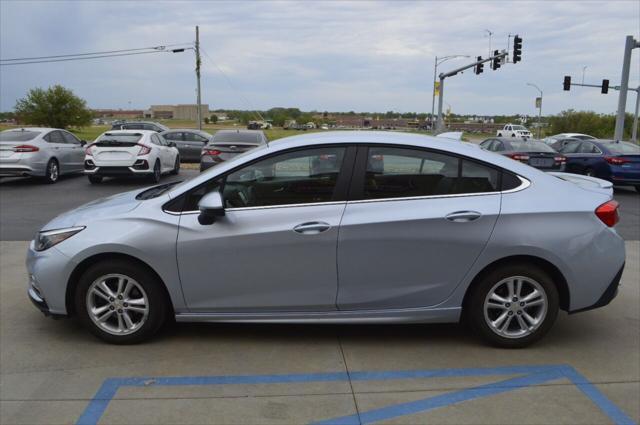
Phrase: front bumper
[49,272]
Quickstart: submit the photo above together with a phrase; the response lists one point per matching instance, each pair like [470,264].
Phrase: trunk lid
[229,149]
[115,150]
[591,184]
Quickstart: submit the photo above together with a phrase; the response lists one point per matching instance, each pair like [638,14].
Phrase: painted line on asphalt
[531,375]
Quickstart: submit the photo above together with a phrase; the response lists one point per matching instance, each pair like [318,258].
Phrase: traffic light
[495,63]
[480,66]
[517,49]
[605,87]
[567,83]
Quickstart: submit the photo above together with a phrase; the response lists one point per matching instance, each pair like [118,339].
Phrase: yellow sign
[436,88]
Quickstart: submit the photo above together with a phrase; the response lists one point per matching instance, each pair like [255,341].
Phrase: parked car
[617,162]
[414,229]
[188,141]
[127,153]
[552,139]
[226,144]
[531,152]
[40,152]
[514,130]
[139,125]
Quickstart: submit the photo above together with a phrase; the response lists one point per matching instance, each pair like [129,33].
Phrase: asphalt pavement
[28,204]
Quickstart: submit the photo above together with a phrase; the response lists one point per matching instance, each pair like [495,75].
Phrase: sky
[322,55]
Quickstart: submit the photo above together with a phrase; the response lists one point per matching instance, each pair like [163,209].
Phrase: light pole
[437,62]
[584,68]
[539,107]
[490,34]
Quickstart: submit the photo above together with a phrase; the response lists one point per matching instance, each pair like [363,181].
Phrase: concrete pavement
[55,372]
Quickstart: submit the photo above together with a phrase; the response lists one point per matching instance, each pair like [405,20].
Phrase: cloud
[359,55]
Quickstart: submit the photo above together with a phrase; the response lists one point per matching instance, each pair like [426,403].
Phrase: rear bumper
[140,167]
[19,170]
[607,296]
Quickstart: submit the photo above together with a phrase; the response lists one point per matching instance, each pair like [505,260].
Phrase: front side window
[54,137]
[70,138]
[173,136]
[298,177]
[404,172]
[587,147]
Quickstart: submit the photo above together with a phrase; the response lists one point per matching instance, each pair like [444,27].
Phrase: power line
[157,48]
[251,107]
[90,57]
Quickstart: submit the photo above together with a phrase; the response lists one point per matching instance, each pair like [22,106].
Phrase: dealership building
[178,112]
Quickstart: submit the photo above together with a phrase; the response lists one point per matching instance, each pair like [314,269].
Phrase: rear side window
[570,147]
[404,172]
[54,137]
[18,136]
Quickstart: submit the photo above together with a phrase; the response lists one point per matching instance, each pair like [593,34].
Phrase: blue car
[617,162]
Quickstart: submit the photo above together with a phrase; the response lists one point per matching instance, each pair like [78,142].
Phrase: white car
[552,139]
[121,153]
[514,130]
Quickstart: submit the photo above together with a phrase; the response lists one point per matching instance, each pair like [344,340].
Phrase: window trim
[340,191]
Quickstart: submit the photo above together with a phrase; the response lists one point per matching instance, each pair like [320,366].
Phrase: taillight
[26,148]
[608,213]
[560,159]
[144,150]
[87,150]
[519,157]
[211,152]
[616,160]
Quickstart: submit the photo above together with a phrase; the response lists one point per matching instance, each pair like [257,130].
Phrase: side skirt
[412,315]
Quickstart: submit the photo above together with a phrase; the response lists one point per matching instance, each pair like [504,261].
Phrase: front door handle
[312,227]
[463,216]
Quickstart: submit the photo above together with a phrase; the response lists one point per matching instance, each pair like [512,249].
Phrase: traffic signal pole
[442,76]
[629,45]
[198,77]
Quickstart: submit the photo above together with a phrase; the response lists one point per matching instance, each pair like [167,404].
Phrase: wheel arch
[556,275]
[84,265]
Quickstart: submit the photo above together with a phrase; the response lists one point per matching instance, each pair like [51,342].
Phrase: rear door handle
[312,227]
[463,216]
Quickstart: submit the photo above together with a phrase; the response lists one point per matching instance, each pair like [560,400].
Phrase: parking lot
[587,370]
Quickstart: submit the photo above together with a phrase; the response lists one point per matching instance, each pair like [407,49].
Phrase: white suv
[121,153]
[514,130]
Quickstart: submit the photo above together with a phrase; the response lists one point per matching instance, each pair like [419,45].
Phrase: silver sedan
[341,227]
[40,152]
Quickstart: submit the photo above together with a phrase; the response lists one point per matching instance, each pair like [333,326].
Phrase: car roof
[512,139]
[33,129]
[240,130]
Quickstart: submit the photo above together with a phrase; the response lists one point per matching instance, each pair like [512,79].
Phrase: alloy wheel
[53,171]
[117,304]
[515,307]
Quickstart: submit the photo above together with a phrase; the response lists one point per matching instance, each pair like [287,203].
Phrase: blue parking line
[531,375]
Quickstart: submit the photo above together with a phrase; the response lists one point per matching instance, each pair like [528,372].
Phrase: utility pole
[634,131]
[198,77]
[539,105]
[629,45]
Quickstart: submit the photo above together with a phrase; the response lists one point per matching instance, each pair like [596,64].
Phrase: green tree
[588,122]
[55,107]
[214,119]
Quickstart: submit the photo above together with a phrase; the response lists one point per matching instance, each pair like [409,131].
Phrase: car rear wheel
[95,179]
[120,302]
[513,306]
[638,188]
[176,166]
[589,172]
[52,171]
[157,172]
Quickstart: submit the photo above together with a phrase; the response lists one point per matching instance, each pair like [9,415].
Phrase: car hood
[100,208]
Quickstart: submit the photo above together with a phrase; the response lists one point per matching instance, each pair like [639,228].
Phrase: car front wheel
[120,302]
[513,306]
[157,173]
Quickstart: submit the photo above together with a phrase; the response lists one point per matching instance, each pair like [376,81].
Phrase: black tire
[589,172]
[638,188]
[52,172]
[95,179]
[157,302]
[157,172]
[176,167]
[474,307]
[513,135]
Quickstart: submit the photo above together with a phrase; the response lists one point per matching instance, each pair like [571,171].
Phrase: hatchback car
[128,153]
[226,144]
[188,141]
[617,162]
[338,227]
[531,152]
[40,152]
[552,139]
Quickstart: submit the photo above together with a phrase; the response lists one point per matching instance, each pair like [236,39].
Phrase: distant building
[177,112]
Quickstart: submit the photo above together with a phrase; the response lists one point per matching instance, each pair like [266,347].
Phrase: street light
[437,62]
[539,106]
[584,68]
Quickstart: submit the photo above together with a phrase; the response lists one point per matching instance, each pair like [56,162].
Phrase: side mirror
[210,207]
[83,142]
[172,144]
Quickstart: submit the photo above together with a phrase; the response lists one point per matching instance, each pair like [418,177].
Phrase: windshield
[531,146]
[18,135]
[120,137]
[624,148]
[519,127]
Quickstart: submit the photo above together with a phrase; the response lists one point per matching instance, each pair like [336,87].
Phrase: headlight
[47,239]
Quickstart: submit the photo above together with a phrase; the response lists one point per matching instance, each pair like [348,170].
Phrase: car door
[58,148]
[164,154]
[275,247]
[416,222]
[75,150]
[574,161]
[590,158]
